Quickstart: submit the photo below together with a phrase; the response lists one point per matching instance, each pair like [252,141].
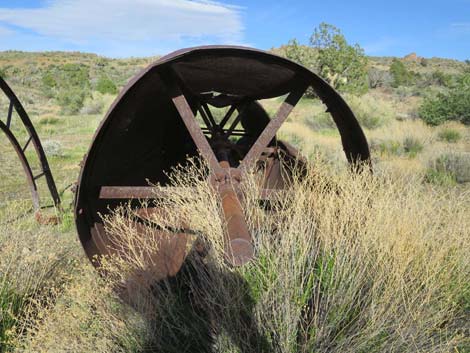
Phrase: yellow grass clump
[344,263]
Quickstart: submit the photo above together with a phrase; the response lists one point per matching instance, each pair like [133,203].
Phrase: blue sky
[123,28]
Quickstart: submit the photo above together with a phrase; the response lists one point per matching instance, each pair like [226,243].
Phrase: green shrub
[400,74]
[93,106]
[452,105]
[370,111]
[441,78]
[11,305]
[437,177]
[71,101]
[75,75]
[449,135]
[412,146]
[390,148]
[454,164]
[409,147]
[320,121]
[3,73]
[53,148]
[48,120]
[105,85]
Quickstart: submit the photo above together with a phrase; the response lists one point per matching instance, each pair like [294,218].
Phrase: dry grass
[345,263]
[34,264]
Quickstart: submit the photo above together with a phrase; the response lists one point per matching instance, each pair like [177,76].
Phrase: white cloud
[129,22]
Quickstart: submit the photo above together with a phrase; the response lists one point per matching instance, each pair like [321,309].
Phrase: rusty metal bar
[270,131]
[27,143]
[238,244]
[39,175]
[189,120]
[205,118]
[24,162]
[208,112]
[151,192]
[227,116]
[10,113]
[234,123]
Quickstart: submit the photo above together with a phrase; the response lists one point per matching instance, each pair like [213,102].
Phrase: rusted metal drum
[152,127]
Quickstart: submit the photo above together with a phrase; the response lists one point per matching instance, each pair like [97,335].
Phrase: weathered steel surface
[152,127]
[15,105]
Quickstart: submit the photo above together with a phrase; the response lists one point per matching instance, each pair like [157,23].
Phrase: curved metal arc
[33,136]
[24,162]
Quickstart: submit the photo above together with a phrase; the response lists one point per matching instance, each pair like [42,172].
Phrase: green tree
[302,54]
[343,65]
[400,74]
[305,56]
[105,85]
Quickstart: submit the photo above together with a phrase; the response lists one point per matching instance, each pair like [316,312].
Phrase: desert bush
[439,177]
[359,272]
[449,135]
[71,100]
[452,105]
[455,164]
[48,120]
[400,74]
[52,148]
[75,75]
[86,317]
[388,147]
[378,78]
[34,263]
[320,121]
[93,105]
[106,86]
[3,73]
[442,79]
[412,146]
[371,112]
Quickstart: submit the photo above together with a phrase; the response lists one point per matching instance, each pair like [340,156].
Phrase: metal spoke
[27,143]
[270,130]
[227,116]
[205,118]
[205,107]
[10,114]
[186,113]
[39,175]
[237,119]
